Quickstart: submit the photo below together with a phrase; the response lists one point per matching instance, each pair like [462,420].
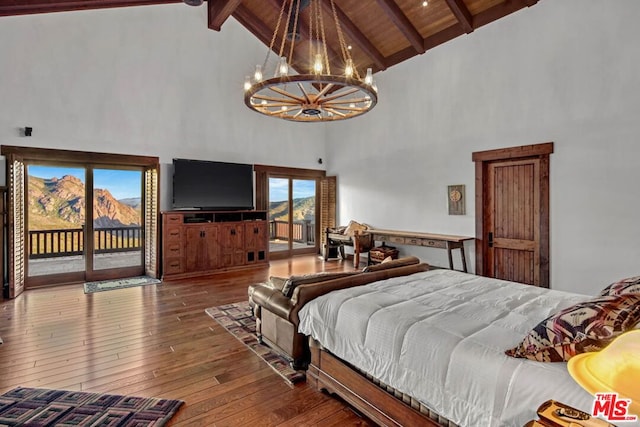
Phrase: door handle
[491,239]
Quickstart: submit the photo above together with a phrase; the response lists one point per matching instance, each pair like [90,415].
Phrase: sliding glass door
[292,216]
[83,223]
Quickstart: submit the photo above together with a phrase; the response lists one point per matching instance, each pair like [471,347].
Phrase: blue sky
[121,184]
[279,189]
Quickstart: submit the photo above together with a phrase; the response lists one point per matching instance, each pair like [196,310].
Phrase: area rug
[39,407]
[238,319]
[108,285]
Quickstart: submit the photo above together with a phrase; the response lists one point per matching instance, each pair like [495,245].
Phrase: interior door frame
[482,160]
[29,155]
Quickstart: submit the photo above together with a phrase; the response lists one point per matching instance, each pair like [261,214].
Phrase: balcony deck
[67,264]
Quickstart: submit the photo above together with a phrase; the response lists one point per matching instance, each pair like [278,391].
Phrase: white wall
[153,80]
[562,71]
[148,80]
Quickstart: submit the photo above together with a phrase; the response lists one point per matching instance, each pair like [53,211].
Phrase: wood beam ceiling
[219,10]
[462,14]
[356,35]
[8,8]
[401,21]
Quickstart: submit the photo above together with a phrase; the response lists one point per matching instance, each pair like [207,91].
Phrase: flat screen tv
[207,185]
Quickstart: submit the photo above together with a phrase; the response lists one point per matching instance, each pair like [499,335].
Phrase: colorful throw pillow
[630,285]
[583,327]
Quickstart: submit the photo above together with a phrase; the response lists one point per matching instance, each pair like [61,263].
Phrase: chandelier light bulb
[368,79]
[247,83]
[317,64]
[283,67]
[348,69]
[257,76]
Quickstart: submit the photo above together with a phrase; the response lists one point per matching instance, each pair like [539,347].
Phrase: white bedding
[440,337]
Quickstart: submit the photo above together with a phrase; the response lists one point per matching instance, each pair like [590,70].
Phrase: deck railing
[303,231]
[68,242]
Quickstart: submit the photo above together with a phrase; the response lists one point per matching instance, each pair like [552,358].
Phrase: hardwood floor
[157,341]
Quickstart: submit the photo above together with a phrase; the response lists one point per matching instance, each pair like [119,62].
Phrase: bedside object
[614,369]
[556,414]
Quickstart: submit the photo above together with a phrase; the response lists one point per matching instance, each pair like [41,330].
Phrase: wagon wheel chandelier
[314,95]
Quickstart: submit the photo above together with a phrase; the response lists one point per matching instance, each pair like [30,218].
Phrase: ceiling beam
[462,14]
[401,21]
[218,11]
[27,7]
[356,35]
[253,24]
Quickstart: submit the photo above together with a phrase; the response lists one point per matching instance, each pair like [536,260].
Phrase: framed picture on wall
[455,199]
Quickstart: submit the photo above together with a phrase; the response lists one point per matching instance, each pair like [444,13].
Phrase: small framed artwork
[455,199]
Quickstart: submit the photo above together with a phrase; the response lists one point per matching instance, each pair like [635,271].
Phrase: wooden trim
[513,152]
[44,6]
[298,172]
[327,372]
[480,208]
[66,156]
[545,213]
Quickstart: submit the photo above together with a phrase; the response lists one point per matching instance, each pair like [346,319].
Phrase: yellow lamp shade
[615,368]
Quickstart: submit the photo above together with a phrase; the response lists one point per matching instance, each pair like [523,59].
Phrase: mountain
[60,203]
[303,208]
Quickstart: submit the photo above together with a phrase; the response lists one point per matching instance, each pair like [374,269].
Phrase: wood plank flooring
[157,341]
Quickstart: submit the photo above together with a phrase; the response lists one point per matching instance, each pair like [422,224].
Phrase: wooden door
[512,214]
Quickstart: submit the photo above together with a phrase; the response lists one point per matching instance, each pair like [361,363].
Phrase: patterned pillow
[583,327]
[630,285]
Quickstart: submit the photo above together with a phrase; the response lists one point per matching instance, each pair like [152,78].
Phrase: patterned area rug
[42,407]
[238,319]
[108,285]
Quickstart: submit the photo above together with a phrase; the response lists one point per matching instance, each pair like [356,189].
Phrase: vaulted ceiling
[380,33]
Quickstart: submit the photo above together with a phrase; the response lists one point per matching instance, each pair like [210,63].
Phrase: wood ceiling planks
[382,33]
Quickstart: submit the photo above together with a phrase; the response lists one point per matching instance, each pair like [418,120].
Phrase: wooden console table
[440,241]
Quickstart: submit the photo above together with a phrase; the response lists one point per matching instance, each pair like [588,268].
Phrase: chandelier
[306,90]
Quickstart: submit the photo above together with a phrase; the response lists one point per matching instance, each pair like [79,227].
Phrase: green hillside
[303,208]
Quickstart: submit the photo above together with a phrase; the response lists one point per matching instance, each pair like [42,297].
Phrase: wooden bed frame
[327,372]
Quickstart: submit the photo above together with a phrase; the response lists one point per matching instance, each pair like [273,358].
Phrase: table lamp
[615,368]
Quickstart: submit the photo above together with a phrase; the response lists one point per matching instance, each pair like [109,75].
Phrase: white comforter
[440,337]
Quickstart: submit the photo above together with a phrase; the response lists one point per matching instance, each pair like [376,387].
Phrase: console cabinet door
[232,241]
[201,251]
[256,241]
[193,249]
[211,258]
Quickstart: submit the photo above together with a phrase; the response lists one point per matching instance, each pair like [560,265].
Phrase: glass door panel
[55,220]
[279,215]
[117,219]
[292,216]
[304,213]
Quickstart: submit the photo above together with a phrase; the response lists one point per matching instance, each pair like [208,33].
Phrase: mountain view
[60,203]
[303,208]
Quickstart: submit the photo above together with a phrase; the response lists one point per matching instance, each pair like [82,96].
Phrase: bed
[438,337]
